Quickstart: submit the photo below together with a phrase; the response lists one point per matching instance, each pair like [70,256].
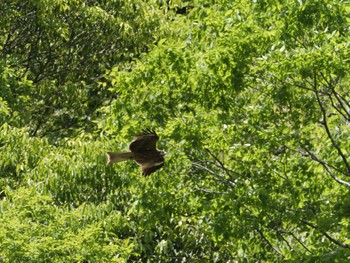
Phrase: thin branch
[221,164]
[325,165]
[299,241]
[220,178]
[280,234]
[339,110]
[277,173]
[209,191]
[330,238]
[341,102]
[325,124]
[268,242]
[308,153]
[343,106]
[339,97]
[201,167]
[298,41]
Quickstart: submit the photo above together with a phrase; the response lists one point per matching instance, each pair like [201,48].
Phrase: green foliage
[64,48]
[250,100]
[34,229]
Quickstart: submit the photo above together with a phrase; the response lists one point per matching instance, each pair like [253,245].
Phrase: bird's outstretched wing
[144,142]
[149,168]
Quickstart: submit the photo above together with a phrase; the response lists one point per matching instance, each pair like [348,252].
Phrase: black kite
[143,151]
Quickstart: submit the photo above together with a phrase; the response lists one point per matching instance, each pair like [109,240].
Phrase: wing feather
[147,170]
[146,141]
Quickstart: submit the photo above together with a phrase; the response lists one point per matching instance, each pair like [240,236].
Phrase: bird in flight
[143,151]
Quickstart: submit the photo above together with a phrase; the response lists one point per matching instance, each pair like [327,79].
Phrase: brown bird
[143,151]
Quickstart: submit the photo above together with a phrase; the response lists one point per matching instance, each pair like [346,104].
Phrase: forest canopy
[250,100]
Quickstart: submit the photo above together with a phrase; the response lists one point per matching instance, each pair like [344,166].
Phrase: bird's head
[162,153]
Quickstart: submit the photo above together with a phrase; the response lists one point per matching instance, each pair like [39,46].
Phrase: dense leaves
[251,102]
[63,49]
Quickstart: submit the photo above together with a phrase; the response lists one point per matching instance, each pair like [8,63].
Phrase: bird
[143,151]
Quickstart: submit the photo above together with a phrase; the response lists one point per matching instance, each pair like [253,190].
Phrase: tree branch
[345,105]
[220,178]
[208,191]
[325,124]
[328,236]
[326,166]
[268,242]
[340,110]
[299,241]
[222,165]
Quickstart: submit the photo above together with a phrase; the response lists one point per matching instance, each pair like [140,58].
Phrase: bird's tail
[119,157]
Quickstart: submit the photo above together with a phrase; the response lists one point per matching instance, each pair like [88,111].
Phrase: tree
[250,100]
[64,49]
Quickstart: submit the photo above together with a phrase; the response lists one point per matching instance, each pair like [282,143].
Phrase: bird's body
[143,151]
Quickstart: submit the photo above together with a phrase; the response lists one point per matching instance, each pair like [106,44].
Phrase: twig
[326,166]
[332,239]
[221,164]
[209,191]
[346,116]
[220,178]
[339,97]
[201,167]
[299,241]
[325,124]
[268,242]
